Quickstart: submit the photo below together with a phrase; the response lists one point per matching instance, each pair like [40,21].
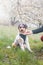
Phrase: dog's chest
[23,36]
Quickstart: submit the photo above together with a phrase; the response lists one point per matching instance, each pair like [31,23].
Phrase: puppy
[22,38]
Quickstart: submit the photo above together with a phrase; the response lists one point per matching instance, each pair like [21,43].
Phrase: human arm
[28,32]
[39,30]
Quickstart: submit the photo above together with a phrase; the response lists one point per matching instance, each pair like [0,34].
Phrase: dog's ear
[22,26]
[18,26]
[25,26]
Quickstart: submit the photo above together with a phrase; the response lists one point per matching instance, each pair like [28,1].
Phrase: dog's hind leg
[27,45]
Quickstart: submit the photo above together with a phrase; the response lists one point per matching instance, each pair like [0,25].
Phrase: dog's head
[22,27]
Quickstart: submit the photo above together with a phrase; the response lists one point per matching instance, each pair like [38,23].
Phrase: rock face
[22,10]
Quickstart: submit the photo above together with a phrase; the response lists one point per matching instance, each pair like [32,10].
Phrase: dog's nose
[21,30]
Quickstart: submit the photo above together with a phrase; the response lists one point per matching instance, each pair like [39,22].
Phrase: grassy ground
[15,56]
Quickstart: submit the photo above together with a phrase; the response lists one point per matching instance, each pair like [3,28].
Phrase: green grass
[15,56]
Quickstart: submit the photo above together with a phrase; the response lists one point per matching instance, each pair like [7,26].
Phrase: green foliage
[15,56]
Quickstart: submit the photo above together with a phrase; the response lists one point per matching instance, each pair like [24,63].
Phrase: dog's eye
[20,27]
